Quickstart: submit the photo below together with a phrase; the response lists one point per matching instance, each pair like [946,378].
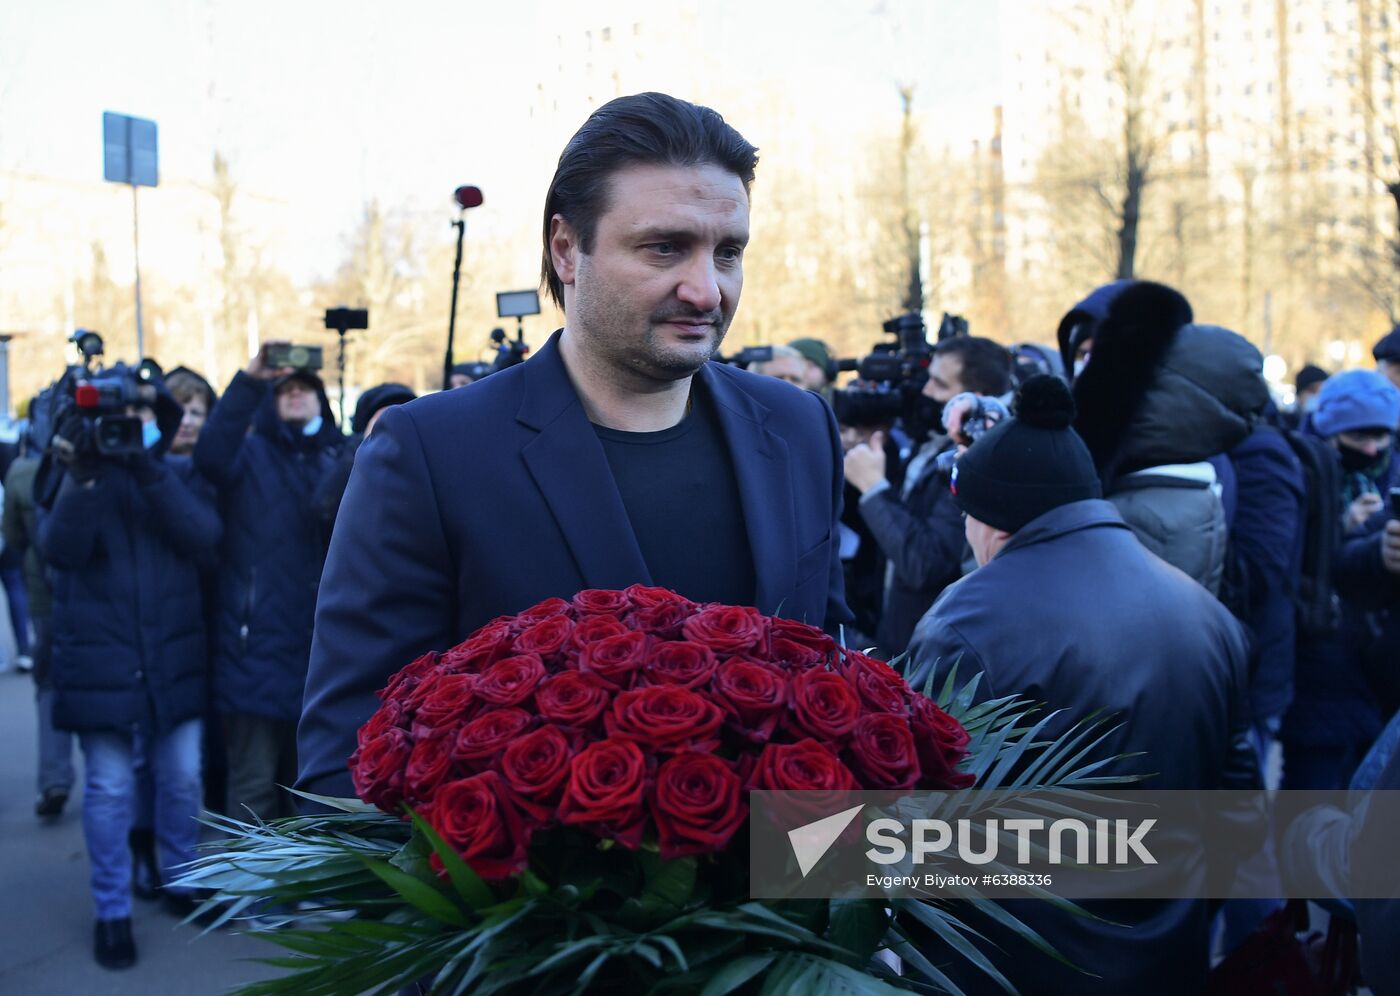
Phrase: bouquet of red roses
[552,806]
[639,715]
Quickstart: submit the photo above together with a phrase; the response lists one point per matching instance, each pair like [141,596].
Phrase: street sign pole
[129,156]
[136,257]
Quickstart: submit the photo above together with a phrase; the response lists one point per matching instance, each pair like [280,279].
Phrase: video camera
[88,408]
[890,381]
[746,357]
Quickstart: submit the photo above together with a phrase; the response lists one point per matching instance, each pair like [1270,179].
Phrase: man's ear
[563,249]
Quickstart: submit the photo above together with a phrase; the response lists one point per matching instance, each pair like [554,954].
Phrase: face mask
[312,427]
[150,434]
[1354,461]
[1310,405]
[1079,366]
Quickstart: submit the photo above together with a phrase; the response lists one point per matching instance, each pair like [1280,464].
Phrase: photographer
[916,525]
[126,538]
[271,566]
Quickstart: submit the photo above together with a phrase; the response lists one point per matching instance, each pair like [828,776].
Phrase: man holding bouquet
[618,454]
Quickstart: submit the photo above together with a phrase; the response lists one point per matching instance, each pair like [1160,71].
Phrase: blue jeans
[55,747]
[109,798]
[18,598]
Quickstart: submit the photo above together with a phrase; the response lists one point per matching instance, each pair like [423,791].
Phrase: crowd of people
[168,598]
[1125,523]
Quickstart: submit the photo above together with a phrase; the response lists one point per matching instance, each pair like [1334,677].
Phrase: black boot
[112,945]
[145,873]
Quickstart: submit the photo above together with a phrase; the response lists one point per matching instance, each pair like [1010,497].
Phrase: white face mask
[1080,364]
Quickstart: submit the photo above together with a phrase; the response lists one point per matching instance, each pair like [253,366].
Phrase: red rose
[753,694]
[414,690]
[697,805]
[429,764]
[616,659]
[794,656]
[385,718]
[533,769]
[726,629]
[592,629]
[881,687]
[476,820]
[604,791]
[445,701]
[545,638]
[417,670]
[665,717]
[572,699]
[643,597]
[807,636]
[823,706]
[511,680]
[473,654]
[882,752]
[487,735]
[595,601]
[805,766]
[942,745]
[377,769]
[541,611]
[676,663]
[664,620]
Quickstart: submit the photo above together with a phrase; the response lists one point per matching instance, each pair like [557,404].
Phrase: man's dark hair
[986,365]
[648,129]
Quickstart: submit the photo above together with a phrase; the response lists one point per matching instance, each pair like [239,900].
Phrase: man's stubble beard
[650,358]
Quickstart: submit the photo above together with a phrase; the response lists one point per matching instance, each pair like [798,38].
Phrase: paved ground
[45,910]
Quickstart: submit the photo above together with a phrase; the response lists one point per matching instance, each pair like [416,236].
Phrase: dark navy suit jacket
[480,502]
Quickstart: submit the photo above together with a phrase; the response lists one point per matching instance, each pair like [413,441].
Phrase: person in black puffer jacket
[126,539]
[1158,397]
[273,553]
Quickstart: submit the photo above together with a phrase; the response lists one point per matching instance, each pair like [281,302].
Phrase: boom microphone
[467,197]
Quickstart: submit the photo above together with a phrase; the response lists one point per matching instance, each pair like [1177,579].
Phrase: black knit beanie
[1021,469]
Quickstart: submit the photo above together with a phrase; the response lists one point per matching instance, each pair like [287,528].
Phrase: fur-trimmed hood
[1159,389]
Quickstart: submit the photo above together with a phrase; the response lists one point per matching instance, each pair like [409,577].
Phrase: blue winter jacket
[273,548]
[126,552]
[1266,543]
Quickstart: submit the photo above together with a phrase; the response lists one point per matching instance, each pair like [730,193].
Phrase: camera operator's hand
[955,413]
[865,464]
[73,447]
[1362,509]
[1390,546]
[258,366]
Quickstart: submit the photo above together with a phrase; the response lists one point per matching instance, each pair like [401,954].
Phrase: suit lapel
[569,467]
[761,468]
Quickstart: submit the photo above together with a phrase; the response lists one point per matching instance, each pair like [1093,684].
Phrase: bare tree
[1375,84]
[1095,184]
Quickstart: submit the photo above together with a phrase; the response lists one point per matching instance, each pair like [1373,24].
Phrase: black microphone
[467,197]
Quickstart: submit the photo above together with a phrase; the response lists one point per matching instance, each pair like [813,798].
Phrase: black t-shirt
[682,498]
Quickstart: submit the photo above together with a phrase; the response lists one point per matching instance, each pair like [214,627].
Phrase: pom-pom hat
[1026,466]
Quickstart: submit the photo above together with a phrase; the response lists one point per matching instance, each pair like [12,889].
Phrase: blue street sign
[129,150]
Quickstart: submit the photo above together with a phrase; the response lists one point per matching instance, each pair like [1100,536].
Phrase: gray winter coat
[1176,513]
